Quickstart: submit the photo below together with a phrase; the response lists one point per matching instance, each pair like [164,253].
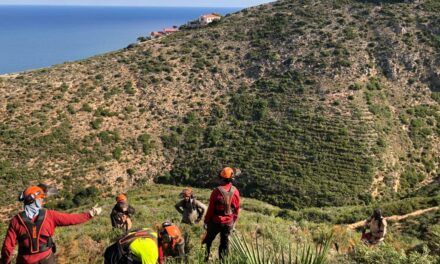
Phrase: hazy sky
[199,3]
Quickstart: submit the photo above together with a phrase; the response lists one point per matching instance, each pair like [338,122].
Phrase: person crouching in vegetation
[190,208]
[222,214]
[35,226]
[137,247]
[171,242]
[377,225]
[121,213]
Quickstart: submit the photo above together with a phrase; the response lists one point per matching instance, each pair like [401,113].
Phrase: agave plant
[258,253]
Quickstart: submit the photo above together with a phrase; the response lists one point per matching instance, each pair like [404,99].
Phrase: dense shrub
[146,142]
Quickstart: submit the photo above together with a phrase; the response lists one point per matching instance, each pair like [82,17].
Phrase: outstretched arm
[63,219]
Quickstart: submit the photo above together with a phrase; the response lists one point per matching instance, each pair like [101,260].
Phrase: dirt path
[395,218]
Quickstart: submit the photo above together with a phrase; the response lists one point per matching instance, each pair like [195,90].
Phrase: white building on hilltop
[209,18]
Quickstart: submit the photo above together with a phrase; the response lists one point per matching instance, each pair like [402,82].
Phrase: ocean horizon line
[148,6]
[39,36]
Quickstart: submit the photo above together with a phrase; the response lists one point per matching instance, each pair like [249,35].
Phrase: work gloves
[96,210]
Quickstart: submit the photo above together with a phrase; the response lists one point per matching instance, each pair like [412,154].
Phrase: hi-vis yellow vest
[144,246]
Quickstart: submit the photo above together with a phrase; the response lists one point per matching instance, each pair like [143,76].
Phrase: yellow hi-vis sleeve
[145,250]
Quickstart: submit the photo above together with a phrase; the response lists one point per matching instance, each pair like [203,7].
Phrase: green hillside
[323,103]
[330,108]
[334,106]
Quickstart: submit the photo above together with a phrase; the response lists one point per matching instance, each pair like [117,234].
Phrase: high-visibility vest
[33,234]
[142,245]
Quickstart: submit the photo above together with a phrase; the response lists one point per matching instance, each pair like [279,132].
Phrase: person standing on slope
[377,225]
[222,214]
[34,228]
[190,208]
[121,213]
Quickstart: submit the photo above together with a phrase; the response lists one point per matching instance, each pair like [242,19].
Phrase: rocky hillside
[321,103]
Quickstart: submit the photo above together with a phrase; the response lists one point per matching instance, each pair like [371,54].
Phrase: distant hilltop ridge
[326,104]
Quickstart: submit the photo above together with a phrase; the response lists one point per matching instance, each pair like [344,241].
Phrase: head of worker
[33,198]
[187,194]
[227,175]
[377,214]
[122,201]
[33,194]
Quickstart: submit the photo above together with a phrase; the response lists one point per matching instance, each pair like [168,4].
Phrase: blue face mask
[32,210]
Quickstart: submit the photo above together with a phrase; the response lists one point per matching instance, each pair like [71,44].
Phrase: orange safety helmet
[227,173]
[121,198]
[32,193]
[187,192]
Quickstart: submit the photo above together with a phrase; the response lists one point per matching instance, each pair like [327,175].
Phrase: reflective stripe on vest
[33,234]
[144,233]
[227,200]
[125,242]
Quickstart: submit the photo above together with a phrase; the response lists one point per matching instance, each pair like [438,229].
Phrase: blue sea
[33,37]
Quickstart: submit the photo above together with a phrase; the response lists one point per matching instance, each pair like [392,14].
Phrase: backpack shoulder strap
[227,198]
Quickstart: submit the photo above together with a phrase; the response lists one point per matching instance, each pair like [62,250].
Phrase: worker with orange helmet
[34,228]
[192,210]
[223,210]
[171,242]
[121,213]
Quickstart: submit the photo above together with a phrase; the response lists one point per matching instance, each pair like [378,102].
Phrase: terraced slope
[319,102]
[339,109]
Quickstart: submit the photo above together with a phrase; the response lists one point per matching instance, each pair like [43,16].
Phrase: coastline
[56,44]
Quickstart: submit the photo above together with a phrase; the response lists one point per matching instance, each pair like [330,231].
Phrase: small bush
[146,142]
[128,88]
[96,124]
[117,153]
[86,108]
[171,141]
[355,86]
[374,84]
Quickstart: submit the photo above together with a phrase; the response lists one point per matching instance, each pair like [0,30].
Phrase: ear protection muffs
[27,199]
